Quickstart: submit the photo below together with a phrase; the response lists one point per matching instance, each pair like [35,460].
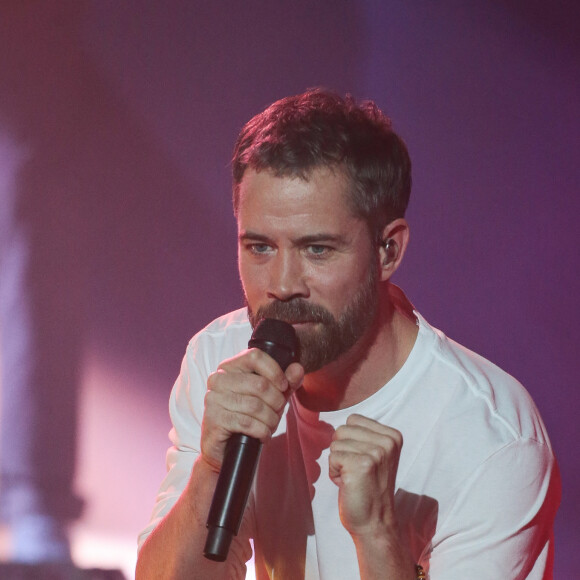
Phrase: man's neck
[369,364]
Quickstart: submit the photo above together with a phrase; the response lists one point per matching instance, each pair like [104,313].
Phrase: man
[321,185]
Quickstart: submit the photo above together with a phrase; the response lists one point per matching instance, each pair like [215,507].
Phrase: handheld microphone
[279,340]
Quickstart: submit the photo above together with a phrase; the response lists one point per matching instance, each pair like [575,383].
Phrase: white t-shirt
[477,486]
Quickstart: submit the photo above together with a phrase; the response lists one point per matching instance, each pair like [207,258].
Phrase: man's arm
[363,462]
[174,548]
[247,394]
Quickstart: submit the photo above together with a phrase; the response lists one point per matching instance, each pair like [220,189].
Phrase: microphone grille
[278,339]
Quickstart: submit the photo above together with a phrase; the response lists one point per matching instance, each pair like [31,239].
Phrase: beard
[330,337]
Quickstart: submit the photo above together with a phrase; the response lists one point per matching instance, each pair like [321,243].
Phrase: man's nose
[287,277]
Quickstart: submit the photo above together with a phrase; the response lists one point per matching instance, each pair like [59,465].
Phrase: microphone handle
[231,494]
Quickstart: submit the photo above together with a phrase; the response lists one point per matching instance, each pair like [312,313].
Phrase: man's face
[304,258]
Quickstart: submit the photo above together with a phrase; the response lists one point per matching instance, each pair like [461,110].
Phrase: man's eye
[259,248]
[319,251]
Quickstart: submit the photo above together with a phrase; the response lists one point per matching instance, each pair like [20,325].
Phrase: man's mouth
[297,314]
[303,323]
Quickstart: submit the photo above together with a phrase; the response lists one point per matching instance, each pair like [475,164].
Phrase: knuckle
[390,447]
[366,463]
[253,427]
[216,379]
[263,432]
[222,367]
[397,438]
[209,398]
[261,384]
[211,380]
[254,354]
[377,454]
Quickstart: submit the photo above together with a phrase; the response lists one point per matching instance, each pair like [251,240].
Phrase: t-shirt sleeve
[501,522]
[186,411]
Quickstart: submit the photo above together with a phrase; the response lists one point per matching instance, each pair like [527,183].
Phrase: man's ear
[393,244]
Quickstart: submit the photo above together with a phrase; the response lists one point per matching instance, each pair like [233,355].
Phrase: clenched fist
[363,462]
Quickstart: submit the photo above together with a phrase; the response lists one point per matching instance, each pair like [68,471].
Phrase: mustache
[295,311]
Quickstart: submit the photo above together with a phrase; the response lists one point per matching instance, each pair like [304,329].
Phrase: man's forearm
[175,547]
[383,557]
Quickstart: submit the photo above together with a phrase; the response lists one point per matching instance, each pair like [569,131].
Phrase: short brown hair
[318,128]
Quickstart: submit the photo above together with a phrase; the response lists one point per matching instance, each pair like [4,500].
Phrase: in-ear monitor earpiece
[392,251]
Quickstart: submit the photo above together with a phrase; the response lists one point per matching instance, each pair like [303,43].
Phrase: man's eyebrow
[249,235]
[310,239]
[313,239]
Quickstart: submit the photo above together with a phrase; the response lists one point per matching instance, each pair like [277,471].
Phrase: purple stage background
[130,110]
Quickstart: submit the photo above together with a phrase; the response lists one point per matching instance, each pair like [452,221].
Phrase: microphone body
[279,340]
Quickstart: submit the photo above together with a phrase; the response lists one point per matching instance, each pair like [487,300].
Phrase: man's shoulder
[232,322]
[478,383]
[222,337]
[458,359]
[474,367]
